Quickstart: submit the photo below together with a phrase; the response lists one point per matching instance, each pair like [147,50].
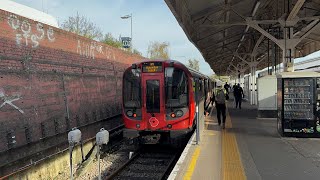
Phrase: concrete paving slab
[265,155]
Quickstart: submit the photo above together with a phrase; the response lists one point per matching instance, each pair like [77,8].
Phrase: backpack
[220,97]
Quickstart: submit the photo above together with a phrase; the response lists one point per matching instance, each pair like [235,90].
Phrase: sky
[152,21]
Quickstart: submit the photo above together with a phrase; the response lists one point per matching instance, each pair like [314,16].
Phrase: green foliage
[110,40]
[158,50]
[194,64]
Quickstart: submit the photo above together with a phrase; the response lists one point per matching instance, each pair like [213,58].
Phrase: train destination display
[152,67]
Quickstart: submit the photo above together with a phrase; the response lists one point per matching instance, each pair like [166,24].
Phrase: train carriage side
[206,89]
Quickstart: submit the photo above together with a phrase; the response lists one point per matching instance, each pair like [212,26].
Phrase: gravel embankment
[108,163]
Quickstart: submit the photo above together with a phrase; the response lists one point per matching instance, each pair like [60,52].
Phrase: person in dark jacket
[238,95]
[220,97]
[226,87]
[233,88]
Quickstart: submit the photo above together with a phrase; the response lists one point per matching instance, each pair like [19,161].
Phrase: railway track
[148,163]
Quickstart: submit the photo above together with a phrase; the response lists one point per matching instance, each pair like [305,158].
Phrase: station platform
[248,148]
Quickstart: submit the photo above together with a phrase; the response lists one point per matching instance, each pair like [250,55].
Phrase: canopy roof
[229,32]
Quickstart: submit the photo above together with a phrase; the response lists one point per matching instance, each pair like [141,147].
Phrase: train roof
[191,70]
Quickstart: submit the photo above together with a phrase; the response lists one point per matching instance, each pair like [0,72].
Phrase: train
[160,99]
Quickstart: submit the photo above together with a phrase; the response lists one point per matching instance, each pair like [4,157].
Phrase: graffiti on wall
[8,100]
[86,49]
[89,50]
[25,35]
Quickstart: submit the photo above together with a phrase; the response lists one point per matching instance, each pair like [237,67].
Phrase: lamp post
[126,17]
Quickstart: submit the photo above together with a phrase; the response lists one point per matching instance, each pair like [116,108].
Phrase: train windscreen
[176,88]
[153,96]
[132,88]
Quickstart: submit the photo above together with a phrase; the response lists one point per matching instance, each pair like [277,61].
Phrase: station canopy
[230,33]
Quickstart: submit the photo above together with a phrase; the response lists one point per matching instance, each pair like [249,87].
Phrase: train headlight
[179,113]
[129,113]
[172,115]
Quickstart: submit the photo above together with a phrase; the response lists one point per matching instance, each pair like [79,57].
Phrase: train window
[200,89]
[205,87]
[132,88]
[176,85]
[153,96]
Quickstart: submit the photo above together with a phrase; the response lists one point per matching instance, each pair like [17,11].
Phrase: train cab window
[132,88]
[176,88]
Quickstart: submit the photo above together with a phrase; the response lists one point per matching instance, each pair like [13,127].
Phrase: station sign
[126,42]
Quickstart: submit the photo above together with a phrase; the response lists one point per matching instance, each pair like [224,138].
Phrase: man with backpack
[220,97]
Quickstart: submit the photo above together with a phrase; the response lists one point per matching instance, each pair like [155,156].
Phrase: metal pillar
[253,80]
[197,112]
[255,99]
[288,50]
[98,158]
[251,85]
[241,78]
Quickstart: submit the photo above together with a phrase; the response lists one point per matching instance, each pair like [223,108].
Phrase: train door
[154,102]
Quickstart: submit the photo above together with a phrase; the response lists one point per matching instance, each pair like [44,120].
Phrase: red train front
[158,100]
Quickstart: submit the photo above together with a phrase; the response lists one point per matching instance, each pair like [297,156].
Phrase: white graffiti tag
[86,49]
[89,50]
[13,22]
[25,29]
[50,33]
[8,100]
[109,54]
[99,49]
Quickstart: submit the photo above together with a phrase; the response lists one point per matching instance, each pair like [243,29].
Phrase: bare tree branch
[194,64]
[82,26]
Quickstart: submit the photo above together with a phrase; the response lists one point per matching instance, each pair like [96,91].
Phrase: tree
[110,40]
[135,51]
[158,50]
[82,26]
[194,64]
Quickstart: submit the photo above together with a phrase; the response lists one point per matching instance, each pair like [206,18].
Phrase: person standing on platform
[220,97]
[238,95]
[234,87]
[226,87]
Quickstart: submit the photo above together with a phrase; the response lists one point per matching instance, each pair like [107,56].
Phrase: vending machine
[298,99]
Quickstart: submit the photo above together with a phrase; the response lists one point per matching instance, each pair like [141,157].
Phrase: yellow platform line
[192,164]
[232,168]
